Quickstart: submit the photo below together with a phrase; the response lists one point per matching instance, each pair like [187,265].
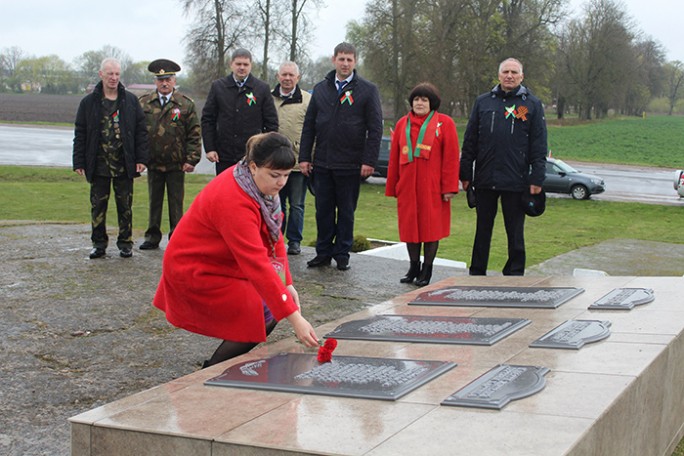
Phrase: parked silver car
[563,178]
[679,182]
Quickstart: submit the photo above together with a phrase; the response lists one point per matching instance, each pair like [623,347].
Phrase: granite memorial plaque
[499,386]
[348,376]
[573,334]
[430,329]
[624,299]
[474,296]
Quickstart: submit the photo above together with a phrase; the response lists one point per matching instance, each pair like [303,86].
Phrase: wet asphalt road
[25,145]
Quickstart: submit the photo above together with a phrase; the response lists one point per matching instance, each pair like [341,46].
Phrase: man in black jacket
[344,121]
[110,149]
[238,106]
[506,140]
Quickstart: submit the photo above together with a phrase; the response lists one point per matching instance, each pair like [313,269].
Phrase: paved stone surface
[78,333]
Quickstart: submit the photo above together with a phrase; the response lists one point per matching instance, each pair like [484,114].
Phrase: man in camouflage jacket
[175,147]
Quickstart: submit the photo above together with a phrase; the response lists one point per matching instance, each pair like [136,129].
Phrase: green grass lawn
[59,195]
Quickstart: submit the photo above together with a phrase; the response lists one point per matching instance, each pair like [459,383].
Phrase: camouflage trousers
[174,183]
[100,189]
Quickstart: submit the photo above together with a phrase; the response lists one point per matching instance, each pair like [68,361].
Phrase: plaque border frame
[632,305]
[518,324]
[539,371]
[575,291]
[438,368]
[540,343]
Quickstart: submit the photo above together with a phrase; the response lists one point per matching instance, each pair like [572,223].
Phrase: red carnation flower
[325,351]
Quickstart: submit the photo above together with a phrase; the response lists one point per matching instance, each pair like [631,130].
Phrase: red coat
[217,269]
[419,185]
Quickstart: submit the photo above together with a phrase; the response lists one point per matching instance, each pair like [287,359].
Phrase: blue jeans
[294,192]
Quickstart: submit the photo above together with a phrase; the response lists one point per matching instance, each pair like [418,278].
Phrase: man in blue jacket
[344,121]
[110,149]
[506,140]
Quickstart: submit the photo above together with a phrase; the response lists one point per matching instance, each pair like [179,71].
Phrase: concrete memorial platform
[622,395]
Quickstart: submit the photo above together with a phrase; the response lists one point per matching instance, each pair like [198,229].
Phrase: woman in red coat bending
[423,176]
[225,272]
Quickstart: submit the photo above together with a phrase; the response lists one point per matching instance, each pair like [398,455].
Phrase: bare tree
[218,27]
[674,77]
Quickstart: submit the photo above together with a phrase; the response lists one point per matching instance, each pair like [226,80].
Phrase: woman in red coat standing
[423,176]
[225,272]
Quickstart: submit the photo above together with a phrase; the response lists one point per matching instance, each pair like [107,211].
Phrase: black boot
[424,276]
[412,273]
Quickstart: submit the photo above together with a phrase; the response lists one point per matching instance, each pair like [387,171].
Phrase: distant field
[653,141]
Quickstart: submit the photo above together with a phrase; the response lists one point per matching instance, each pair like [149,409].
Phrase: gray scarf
[271,210]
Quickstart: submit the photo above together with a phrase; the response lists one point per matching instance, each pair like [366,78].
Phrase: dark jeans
[157,182]
[100,189]
[294,192]
[337,193]
[514,221]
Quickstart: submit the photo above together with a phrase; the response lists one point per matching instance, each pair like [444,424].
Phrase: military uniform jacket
[233,114]
[88,132]
[174,131]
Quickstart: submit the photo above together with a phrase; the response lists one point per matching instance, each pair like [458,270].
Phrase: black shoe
[97,252]
[412,273]
[126,252]
[342,263]
[319,260]
[147,245]
[424,276]
[294,248]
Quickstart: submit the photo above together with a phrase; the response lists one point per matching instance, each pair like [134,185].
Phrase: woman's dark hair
[271,150]
[427,90]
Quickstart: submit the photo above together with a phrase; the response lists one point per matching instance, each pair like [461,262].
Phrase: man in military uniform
[110,149]
[175,147]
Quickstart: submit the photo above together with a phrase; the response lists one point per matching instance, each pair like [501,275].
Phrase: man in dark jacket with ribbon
[110,149]
[238,107]
[344,121]
[506,140]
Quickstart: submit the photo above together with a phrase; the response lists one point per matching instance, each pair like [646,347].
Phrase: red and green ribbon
[251,99]
[347,97]
[421,135]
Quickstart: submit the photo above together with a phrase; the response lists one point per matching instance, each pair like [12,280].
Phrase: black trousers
[100,189]
[337,193]
[174,184]
[514,222]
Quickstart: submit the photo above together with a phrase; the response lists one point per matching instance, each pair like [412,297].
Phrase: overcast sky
[151,29]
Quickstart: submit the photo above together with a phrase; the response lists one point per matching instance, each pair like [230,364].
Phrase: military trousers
[174,184]
[100,189]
